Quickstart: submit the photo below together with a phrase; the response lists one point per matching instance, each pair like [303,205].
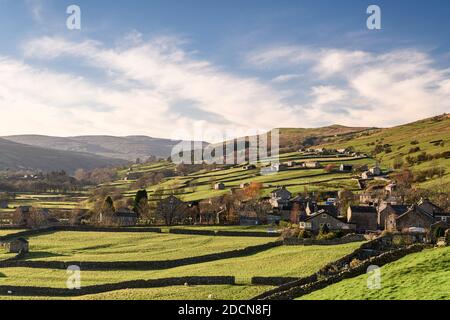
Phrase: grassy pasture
[97,246]
[420,276]
[293,261]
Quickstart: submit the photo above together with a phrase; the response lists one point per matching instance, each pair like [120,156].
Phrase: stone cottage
[125,217]
[364,217]
[413,219]
[387,209]
[16,246]
[316,222]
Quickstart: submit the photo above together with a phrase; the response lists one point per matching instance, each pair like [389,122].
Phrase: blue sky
[169,68]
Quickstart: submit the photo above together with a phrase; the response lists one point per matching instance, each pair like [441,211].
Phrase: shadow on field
[41,255]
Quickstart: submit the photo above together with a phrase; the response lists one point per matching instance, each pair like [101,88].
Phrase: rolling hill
[20,156]
[126,148]
[422,145]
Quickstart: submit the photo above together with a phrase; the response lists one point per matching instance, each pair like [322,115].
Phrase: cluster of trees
[56,181]
[96,176]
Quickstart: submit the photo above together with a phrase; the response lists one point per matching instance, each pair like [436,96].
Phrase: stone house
[16,246]
[244,185]
[280,198]
[364,217]
[316,222]
[312,165]
[125,217]
[387,209]
[366,175]
[134,176]
[312,208]
[346,168]
[219,186]
[430,208]
[376,171]
[412,220]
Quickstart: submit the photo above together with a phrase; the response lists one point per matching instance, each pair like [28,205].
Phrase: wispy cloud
[378,88]
[158,88]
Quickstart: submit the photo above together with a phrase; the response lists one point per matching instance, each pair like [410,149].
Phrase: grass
[188,293]
[420,276]
[295,261]
[400,138]
[6,232]
[97,246]
[183,293]
[261,228]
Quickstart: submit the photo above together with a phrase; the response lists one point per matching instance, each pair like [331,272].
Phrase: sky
[203,69]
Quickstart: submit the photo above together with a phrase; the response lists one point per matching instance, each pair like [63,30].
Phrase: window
[329,225]
[302,224]
[324,216]
[444,219]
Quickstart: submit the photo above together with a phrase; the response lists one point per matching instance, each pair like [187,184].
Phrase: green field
[285,261]
[421,134]
[420,276]
[97,246]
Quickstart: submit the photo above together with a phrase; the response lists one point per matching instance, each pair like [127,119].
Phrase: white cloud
[285,78]
[148,82]
[157,88]
[364,88]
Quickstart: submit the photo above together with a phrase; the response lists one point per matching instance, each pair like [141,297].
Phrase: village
[384,207]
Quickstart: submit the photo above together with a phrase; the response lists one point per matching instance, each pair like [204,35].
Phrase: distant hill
[20,156]
[126,148]
[410,141]
[292,139]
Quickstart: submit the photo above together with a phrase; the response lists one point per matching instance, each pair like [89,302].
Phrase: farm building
[134,176]
[387,209]
[316,222]
[345,168]
[219,186]
[125,217]
[280,198]
[312,165]
[364,217]
[366,175]
[376,171]
[414,218]
[16,246]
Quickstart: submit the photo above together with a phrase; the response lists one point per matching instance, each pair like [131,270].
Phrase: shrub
[304,234]
[414,142]
[354,263]
[327,236]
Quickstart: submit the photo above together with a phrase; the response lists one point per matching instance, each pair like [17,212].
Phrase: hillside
[19,156]
[126,148]
[406,145]
[421,276]
[299,137]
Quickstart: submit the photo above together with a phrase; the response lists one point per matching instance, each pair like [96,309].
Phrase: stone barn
[16,246]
